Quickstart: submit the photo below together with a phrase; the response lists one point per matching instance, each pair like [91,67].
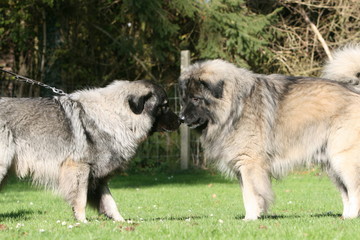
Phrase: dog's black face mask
[194,114]
[197,98]
[155,103]
[166,120]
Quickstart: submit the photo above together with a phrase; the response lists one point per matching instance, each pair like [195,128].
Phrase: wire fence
[161,150]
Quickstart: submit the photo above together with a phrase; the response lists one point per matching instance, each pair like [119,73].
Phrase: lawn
[190,205]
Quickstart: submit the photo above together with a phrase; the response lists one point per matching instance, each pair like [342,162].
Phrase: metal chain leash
[31,81]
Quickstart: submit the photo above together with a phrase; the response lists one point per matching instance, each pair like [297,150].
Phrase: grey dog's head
[154,103]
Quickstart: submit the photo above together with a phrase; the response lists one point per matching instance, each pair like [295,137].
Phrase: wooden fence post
[184,130]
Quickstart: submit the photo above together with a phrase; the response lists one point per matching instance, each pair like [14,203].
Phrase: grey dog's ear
[215,89]
[137,103]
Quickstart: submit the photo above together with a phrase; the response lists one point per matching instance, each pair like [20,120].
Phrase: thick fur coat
[74,143]
[261,126]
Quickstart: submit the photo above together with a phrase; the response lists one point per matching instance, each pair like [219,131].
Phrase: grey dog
[73,144]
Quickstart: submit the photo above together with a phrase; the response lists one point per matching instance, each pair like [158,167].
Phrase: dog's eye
[196,99]
[163,109]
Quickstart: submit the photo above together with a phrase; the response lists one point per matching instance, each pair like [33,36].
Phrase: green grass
[193,205]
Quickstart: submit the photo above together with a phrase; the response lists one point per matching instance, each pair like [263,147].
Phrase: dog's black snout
[181,118]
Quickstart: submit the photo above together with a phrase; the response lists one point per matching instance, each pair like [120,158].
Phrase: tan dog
[256,126]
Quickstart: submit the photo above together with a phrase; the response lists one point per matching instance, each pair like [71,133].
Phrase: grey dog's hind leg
[7,151]
[74,186]
[101,198]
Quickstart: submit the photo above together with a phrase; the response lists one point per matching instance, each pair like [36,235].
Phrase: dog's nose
[182,118]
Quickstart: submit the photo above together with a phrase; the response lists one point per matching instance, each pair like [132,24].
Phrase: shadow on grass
[134,180]
[275,217]
[327,214]
[174,218]
[188,178]
[17,215]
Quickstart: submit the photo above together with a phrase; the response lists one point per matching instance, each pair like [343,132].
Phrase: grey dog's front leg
[107,205]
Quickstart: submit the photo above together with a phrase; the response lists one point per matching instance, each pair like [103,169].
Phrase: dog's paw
[118,218]
[349,216]
[250,218]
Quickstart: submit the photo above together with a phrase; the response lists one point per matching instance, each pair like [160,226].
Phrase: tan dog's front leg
[256,188]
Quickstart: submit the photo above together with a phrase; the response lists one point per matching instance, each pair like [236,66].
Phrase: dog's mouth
[162,129]
[199,125]
[168,122]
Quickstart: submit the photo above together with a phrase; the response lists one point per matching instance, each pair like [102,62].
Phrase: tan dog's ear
[215,89]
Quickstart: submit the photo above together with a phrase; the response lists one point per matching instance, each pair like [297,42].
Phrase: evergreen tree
[228,30]
[71,44]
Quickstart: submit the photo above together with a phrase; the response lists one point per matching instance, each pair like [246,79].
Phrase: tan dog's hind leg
[342,189]
[347,178]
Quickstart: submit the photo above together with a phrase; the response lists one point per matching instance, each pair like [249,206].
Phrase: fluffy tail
[345,66]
